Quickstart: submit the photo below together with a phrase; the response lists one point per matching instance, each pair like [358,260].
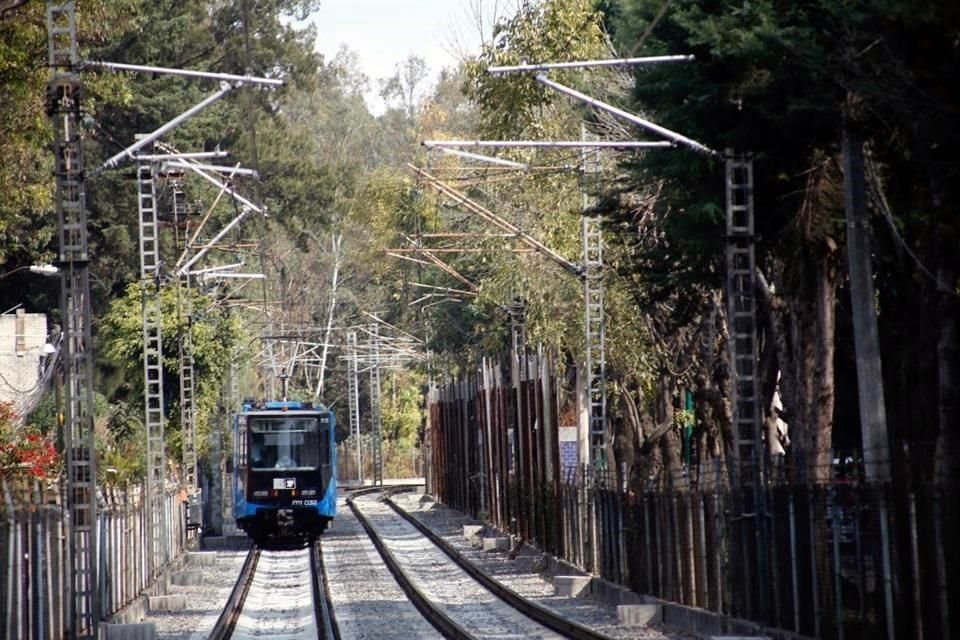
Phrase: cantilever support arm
[482,158]
[247,207]
[626,115]
[496,220]
[443,266]
[549,144]
[582,64]
[190,73]
[150,137]
[233,171]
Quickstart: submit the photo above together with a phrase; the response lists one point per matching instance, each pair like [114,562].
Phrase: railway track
[456,598]
[280,593]
[387,576]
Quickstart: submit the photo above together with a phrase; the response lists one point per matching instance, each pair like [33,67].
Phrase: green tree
[777,80]
[215,337]
[402,407]
[27,212]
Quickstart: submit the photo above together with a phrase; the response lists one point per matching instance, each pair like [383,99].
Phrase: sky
[386,32]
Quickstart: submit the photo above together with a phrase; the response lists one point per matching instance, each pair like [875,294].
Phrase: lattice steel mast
[375,415]
[747,467]
[64,95]
[152,361]
[741,312]
[353,393]
[593,314]
[185,351]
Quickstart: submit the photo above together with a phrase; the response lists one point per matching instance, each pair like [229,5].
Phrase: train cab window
[285,443]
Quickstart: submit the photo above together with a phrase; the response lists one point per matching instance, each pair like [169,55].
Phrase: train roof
[281,405]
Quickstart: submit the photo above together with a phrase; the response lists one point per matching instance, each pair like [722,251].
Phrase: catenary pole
[64,98]
[873,415]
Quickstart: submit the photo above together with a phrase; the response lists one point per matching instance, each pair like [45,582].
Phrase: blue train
[284,470]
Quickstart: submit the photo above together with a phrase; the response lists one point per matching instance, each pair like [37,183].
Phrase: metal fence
[34,565]
[843,559]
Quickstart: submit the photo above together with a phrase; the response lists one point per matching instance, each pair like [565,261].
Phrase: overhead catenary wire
[494,219]
[880,202]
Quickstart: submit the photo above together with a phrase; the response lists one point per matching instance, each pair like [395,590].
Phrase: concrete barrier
[202,558]
[471,530]
[133,613]
[146,631]
[188,578]
[571,586]
[496,544]
[613,593]
[172,602]
[639,615]
[528,562]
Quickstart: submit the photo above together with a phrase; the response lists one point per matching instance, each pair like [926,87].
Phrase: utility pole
[64,94]
[873,413]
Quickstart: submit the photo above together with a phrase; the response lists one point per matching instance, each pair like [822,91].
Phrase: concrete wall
[22,335]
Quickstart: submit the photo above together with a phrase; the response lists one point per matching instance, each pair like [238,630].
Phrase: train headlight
[309,492]
[260,494]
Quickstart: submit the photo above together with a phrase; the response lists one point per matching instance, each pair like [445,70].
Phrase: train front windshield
[284,443]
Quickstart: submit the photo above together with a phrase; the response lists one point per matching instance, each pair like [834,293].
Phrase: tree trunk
[948,379]
[10,6]
[669,438]
[711,409]
[336,242]
[813,333]
[776,346]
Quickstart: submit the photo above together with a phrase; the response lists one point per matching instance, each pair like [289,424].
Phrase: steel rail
[323,611]
[223,629]
[534,611]
[434,614]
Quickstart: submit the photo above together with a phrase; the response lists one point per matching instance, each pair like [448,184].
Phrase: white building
[23,351]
